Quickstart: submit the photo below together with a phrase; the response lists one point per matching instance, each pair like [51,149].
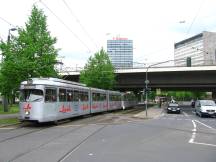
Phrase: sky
[82,26]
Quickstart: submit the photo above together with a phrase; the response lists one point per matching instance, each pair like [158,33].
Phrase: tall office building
[120,51]
[201,48]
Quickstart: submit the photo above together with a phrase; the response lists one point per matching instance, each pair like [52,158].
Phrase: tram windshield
[31,95]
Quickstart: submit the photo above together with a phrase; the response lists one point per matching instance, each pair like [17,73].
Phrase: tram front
[31,101]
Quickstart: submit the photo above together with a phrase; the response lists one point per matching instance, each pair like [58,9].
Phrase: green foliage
[185,95]
[152,95]
[13,109]
[98,72]
[30,54]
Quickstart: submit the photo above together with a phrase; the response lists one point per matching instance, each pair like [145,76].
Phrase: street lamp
[11,29]
[147,81]
[4,98]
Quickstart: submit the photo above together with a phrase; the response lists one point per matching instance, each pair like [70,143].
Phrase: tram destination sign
[29,86]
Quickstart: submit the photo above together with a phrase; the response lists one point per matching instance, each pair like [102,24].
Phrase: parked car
[173,107]
[193,104]
[205,108]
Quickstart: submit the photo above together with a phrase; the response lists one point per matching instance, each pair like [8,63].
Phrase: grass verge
[12,109]
[9,121]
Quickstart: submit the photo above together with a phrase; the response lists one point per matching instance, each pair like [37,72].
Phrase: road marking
[194,133]
[185,114]
[203,124]
[206,144]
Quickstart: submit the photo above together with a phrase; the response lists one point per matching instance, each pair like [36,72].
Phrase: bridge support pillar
[214,95]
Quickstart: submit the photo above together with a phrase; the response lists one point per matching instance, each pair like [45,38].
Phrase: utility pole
[146,89]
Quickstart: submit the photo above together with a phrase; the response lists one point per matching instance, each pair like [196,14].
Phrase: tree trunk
[5,103]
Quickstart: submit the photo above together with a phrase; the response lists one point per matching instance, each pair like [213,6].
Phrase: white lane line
[185,114]
[206,144]
[194,124]
[204,124]
[194,133]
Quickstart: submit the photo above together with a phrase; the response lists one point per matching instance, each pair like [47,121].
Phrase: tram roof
[50,81]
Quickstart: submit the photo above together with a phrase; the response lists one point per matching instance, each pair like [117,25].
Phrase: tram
[52,99]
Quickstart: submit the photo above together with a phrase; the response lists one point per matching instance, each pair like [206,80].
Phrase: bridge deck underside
[183,80]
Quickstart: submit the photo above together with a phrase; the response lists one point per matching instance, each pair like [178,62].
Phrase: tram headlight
[27,113]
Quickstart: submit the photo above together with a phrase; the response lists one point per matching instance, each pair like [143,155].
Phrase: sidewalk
[152,113]
[6,116]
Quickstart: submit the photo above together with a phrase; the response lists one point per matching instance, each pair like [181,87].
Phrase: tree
[98,72]
[30,54]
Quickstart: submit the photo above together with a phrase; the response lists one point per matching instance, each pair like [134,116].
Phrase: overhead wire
[195,17]
[78,21]
[7,22]
[63,23]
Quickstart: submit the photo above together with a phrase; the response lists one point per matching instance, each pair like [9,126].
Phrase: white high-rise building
[120,51]
[200,48]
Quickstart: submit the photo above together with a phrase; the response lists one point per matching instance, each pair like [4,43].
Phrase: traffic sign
[146,81]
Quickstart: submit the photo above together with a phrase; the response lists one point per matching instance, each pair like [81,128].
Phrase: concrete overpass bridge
[166,78]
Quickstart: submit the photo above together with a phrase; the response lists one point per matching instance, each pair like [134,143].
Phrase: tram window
[114,98]
[62,95]
[31,95]
[103,97]
[69,95]
[95,96]
[83,96]
[86,96]
[50,95]
[76,96]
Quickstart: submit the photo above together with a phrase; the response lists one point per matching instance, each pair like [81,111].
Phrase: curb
[142,115]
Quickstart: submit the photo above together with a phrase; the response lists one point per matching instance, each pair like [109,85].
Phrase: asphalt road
[114,137]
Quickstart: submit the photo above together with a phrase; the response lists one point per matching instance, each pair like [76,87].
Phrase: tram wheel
[55,122]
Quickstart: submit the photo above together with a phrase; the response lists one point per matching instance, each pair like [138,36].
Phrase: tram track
[83,122]
[23,134]
[101,121]
[65,156]
[47,142]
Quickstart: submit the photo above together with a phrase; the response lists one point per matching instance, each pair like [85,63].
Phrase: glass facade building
[200,48]
[120,51]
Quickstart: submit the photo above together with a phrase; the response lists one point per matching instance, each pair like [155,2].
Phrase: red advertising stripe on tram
[94,106]
[105,105]
[85,107]
[65,109]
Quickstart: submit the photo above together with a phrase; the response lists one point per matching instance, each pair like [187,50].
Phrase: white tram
[51,99]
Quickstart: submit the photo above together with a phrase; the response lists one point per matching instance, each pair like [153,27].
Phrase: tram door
[70,101]
[50,107]
[76,102]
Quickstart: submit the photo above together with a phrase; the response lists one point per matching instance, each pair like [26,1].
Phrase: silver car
[205,108]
